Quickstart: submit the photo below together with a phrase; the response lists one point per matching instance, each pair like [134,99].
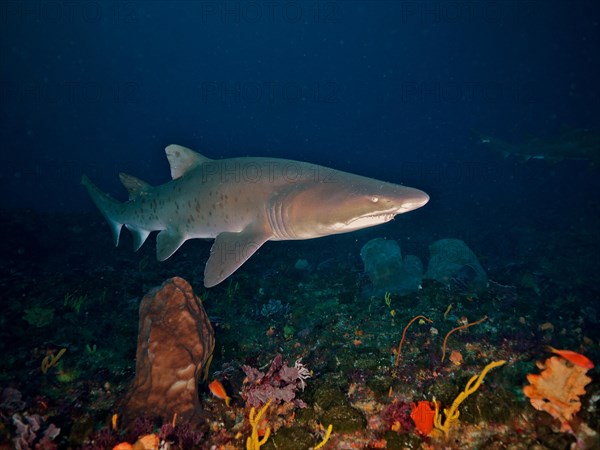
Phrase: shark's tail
[108,206]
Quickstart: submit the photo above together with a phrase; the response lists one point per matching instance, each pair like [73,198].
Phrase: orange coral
[557,389]
[456,358]
[123,446]
[147,442]
[422,415]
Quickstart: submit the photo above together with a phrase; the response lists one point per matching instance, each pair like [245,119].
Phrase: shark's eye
[374,199]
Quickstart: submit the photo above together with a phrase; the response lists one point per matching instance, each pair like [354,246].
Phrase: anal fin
[139,236]
[134,185]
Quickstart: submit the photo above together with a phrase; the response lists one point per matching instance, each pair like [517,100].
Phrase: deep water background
[388,89]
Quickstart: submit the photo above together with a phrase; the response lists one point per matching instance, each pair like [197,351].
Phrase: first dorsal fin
[182,159]
[134,185]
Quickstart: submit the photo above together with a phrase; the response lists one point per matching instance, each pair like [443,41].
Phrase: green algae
[39,317]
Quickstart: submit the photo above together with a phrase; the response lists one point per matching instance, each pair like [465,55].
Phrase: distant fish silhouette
[570,144]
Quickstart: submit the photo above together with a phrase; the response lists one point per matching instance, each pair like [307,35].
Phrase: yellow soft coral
[325,439]
[253,442]
[557,388]
[452,413]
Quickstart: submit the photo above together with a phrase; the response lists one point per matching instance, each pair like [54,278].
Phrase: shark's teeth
[367,220]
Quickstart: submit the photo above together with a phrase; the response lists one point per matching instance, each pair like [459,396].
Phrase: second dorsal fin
[134,185]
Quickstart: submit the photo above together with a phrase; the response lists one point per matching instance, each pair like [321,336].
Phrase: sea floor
[69,288]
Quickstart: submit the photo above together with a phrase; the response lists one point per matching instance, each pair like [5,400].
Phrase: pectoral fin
[230,251]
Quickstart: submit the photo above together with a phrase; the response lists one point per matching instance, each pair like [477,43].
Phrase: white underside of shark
[244,202]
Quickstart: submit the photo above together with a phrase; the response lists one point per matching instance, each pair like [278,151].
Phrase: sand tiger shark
[244,202]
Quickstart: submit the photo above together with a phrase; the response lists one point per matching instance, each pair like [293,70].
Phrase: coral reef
[321,317]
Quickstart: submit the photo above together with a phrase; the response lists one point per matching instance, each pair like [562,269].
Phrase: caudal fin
[108,206]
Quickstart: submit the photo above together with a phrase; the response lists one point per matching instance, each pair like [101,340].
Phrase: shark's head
[340,207]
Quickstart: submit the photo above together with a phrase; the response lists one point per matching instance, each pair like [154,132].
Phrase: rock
[327,396]
[175,339]
[301,264]
[405,440]
[455,265]
[388,271]
[344,419]
[293,439]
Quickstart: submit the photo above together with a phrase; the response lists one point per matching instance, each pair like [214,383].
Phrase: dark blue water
[387,89]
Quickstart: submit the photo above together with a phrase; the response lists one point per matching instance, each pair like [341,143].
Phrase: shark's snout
[416,200]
